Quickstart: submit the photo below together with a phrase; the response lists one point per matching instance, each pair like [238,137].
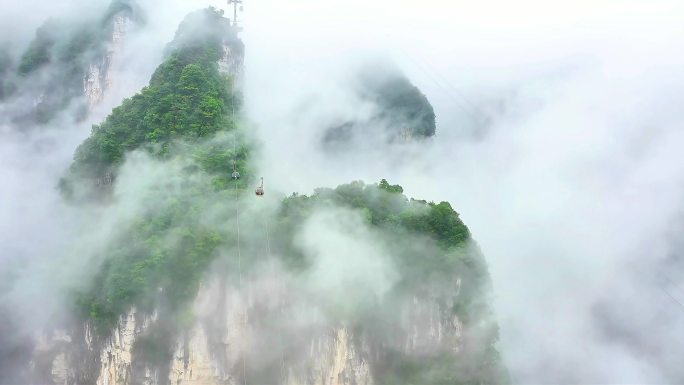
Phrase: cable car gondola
[260,189]
[236,174]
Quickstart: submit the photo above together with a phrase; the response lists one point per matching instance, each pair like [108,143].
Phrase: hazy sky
[573,184]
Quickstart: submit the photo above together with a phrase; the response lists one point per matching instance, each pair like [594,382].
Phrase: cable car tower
[237,6]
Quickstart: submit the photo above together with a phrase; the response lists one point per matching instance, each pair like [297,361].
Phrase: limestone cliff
[98,76]
[67,66]
[233,346]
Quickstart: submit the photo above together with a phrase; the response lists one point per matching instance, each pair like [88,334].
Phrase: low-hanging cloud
[558,142]
[350,267]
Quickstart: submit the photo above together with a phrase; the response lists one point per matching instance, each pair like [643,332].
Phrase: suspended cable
[672,283]
[237,225]
[237,204]
[466,105]
[675,300]
[236,177]
[667,292]
[268,241]
[450,86]
[268,255]
[447,86]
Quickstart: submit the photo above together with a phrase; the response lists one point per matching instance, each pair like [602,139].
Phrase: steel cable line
[237,225]
[452,92]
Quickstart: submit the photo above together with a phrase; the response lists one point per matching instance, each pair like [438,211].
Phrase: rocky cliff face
[400,112]
[98,76]
[116,354]
[67,67]
[232,63]
[335,360]
[234,346]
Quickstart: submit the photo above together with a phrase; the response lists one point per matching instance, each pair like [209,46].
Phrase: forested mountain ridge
[187,98]
[441,283]
[66,65]
[400,111]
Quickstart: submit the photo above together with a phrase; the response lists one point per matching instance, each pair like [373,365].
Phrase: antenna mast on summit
[236,4]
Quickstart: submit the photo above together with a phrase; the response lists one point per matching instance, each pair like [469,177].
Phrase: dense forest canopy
[187,98]
[187,101]
[403,105]
[400,110]
[6,63]
[435,257]
[57,61]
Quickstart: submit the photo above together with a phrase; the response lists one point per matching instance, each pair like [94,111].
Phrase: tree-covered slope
[6,64]
[402,105]
[55,65]
[184,116]
[400,109]
[187,98]
[436,260]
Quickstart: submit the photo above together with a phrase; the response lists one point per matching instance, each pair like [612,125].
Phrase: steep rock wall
[98,76]
[226,343]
